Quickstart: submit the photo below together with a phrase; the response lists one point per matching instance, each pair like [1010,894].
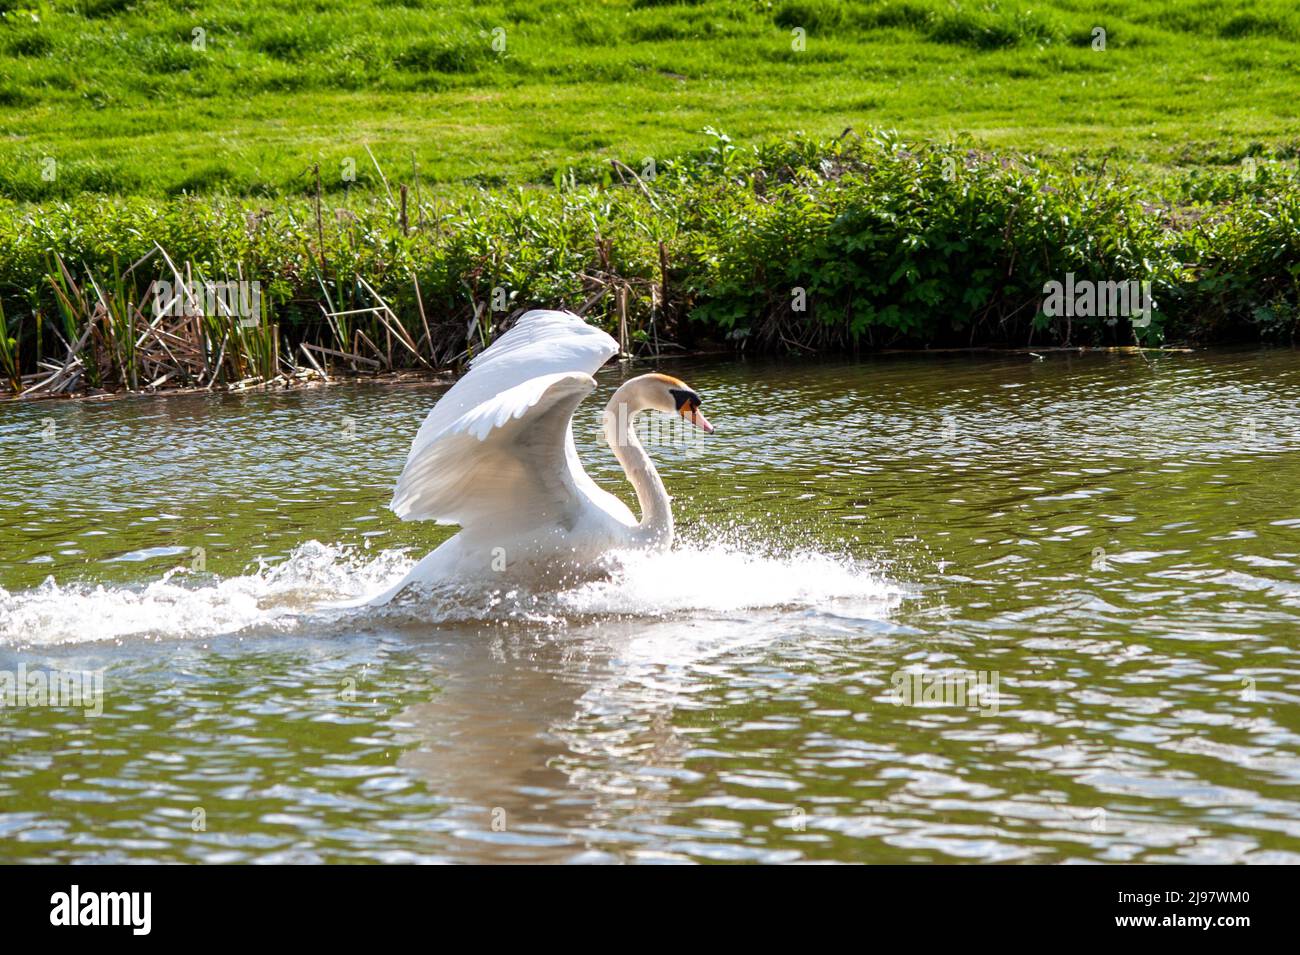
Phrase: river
[966,608]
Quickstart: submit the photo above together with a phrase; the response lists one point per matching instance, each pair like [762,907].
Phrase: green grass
[123,130]
[114,92]
[797,243]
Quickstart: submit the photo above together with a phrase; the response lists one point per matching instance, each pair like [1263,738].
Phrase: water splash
[177,606]
[692,579]
[725,577]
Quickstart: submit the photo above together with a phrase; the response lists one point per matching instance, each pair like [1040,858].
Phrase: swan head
[672,396]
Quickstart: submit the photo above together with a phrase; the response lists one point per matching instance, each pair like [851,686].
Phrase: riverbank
[864,242]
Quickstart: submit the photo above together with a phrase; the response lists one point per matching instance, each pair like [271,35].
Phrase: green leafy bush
[793,244]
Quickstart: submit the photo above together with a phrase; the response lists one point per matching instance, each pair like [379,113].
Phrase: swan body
[496,455]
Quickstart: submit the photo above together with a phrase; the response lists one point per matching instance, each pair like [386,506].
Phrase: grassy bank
[854,242]
[139,97]
[399,177]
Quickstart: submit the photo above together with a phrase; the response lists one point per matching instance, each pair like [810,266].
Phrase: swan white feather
[497,456]
[539,343]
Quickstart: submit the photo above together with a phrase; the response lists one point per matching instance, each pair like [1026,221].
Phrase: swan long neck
[656,525]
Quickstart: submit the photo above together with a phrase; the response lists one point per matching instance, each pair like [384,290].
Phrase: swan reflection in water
[571,739]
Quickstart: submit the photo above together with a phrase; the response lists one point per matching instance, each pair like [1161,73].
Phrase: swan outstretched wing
[497,450]
[540,343]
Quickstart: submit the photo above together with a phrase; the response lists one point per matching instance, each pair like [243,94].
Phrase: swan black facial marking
[681,396]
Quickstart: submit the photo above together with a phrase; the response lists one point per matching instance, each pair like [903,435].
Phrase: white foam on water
[714,578]
[724,578]
[177,606]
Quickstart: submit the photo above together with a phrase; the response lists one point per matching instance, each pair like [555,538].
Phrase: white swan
[496,456]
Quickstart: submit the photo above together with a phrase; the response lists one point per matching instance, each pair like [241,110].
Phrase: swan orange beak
[687,403]
[696,417]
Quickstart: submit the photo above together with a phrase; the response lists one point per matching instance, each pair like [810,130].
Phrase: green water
[1113,539]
